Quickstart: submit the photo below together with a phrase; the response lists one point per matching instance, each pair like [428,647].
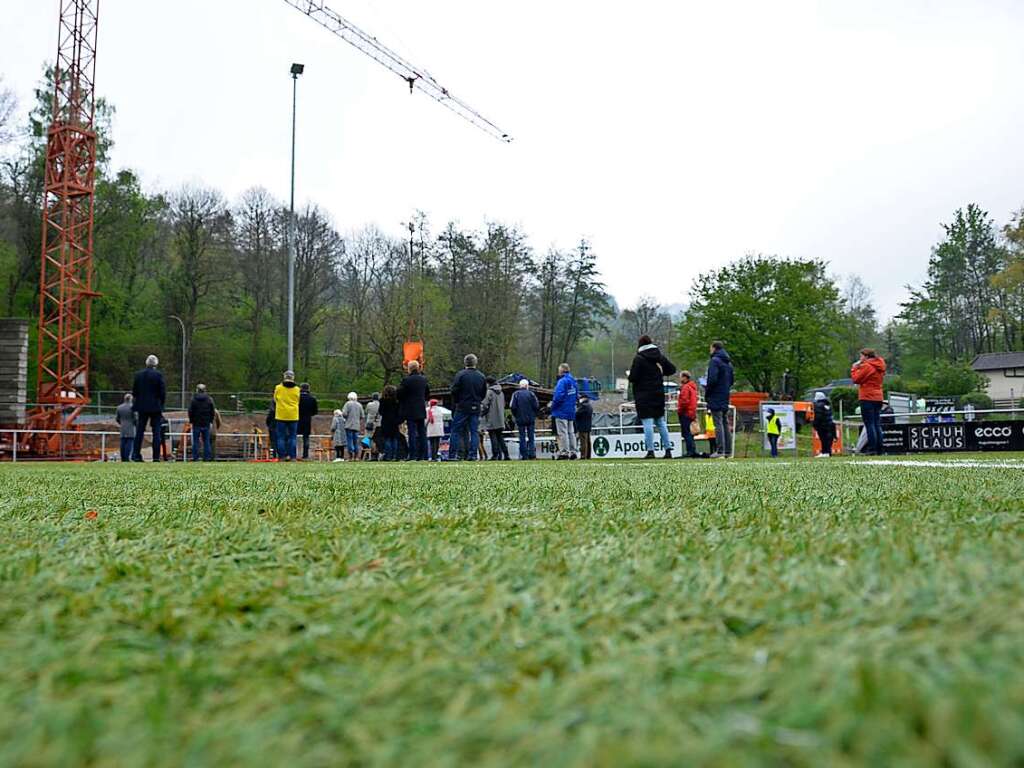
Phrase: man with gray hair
[469,387]
[127,420]
[149,392]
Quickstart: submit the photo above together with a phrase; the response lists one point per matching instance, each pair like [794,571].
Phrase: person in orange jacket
[686,408]
[868,374]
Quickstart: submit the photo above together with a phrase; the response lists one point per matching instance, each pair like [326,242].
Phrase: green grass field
[547,613]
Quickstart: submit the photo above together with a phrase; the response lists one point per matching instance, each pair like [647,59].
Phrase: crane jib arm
[416,77]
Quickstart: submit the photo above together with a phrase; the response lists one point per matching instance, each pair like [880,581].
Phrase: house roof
[994,361]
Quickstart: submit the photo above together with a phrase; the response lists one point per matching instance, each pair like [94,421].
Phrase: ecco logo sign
[994,432]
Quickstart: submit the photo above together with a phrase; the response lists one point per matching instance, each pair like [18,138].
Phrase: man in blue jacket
[716,393]
[563,411]
[148,395]
[469,387]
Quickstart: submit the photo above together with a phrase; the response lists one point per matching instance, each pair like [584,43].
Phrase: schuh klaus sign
[957,436]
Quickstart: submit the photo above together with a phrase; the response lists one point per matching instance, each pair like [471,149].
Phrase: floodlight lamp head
[298,69]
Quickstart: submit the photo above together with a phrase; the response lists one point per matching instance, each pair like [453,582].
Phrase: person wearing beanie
[286,410]
[824,426]
[773,428]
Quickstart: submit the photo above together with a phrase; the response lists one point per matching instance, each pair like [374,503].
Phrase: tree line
[220,266]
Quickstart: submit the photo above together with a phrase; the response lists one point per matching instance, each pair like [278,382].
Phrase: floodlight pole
[296,70]
[183,350]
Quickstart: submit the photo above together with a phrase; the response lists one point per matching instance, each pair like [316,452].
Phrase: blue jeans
[773,441]
[527,441]
[204,434]
[417,432]
[287,434]
[685,422]
[459,422]
[352,442]
[390,449]
[666,441]
[126,448]
[871,413]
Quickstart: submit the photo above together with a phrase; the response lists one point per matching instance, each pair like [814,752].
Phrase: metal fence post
[15,453]
[103,446]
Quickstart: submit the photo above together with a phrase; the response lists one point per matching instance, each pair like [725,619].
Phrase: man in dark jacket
[716,393]
[127,419]
[823,423]
[149,391]
[647,375]
[525,406]
[201,412]
[469,388]
[271,422]
[584,423]
[308,408]
[413,393]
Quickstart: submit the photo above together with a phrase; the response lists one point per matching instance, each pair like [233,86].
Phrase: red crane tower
[65,274]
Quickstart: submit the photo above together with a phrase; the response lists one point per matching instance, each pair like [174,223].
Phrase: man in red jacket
[686,407]
[868,373]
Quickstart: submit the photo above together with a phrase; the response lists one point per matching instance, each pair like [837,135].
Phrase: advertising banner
[955,436]
[604,446]
[786,413]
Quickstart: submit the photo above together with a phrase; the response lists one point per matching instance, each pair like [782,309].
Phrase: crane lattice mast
[65,276]
[417,77]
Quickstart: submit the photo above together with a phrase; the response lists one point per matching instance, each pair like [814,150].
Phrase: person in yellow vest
[286,416]
[709,430]
[773,427]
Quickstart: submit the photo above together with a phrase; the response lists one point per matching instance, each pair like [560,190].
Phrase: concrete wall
[13,370]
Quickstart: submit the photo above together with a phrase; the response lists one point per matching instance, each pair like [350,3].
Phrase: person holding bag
[686,409]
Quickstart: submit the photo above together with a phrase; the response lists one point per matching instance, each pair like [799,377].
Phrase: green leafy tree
[776,316]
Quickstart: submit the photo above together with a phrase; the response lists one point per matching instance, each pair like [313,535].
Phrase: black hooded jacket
[647,374]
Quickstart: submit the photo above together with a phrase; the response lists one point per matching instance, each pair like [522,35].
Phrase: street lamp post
[183,387]
[297,69]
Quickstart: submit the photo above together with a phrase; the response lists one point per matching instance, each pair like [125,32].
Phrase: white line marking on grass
[951,464]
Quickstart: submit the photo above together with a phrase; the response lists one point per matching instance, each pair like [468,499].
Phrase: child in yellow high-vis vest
[773,428]
[709,430]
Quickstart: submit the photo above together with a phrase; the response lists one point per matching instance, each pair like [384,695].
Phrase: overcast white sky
[677,136]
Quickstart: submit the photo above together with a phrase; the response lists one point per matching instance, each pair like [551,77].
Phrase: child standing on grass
[435,429]
[338,435]
[823,424]
[773,428]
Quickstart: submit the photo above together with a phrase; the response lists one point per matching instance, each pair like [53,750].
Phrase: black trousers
[498,448]
[827,436]
[305,446]
[154,420]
